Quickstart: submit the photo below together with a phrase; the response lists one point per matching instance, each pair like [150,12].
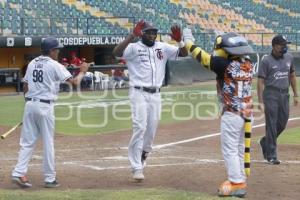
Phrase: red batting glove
[137,31]
[176,33]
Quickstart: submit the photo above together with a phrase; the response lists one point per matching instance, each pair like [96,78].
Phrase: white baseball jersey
[146,65]
[45,75]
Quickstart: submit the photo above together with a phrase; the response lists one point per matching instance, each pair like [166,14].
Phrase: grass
[290,136]
[98,112]
[12,110]
[147,194]
[87,113]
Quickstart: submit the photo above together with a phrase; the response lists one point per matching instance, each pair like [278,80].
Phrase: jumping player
[146,62]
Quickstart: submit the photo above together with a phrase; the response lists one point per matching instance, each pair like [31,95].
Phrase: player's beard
[147,42]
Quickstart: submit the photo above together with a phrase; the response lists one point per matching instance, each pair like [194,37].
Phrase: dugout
[16,52]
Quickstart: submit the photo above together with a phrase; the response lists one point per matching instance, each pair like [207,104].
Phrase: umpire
[276,73]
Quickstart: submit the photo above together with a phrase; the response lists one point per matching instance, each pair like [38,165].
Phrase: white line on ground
[161,145]
[195,162]
[206,136]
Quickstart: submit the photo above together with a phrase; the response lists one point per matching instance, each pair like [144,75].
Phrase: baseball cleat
[138,175]
[52,184]
[274,161]
[21,181]
[144,157]
[232,189]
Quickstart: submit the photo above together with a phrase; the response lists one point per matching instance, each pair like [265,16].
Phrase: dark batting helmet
[50,43]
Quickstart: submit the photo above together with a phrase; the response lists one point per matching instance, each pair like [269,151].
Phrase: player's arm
[294,87]
[262,74]
[119,49]
[183,52]
[25,87]
[83,69]
[137,32]
[260,89]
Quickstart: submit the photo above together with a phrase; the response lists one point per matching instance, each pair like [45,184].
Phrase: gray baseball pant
[276,104]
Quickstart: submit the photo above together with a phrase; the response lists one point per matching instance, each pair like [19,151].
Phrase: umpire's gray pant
[276,104]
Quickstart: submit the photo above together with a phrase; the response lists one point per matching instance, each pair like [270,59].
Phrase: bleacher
[99,17]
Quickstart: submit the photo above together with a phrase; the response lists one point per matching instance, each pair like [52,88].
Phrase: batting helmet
[149,26]
[50,43]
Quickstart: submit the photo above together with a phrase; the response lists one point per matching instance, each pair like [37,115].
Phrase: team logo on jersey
[288,64]
[281,75]
[159,54]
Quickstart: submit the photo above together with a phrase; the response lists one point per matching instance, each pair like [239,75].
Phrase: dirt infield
[100,162]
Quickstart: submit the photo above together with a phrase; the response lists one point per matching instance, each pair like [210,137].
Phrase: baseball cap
[234,44]
[280,39]
[50,43]
[149,26]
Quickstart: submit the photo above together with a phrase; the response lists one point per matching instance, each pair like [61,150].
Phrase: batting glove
[137,31]
[176,33]
[187,35]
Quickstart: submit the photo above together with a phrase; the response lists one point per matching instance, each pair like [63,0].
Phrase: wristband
[180,44]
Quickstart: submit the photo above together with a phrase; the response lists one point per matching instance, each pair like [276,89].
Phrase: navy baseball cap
[50,43]
[149,26]
[280,39]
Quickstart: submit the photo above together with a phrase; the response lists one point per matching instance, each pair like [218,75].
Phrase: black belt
[39,100]
[286,90]
[148,89]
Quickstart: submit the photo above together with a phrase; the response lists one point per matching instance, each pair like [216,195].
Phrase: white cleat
[138,175]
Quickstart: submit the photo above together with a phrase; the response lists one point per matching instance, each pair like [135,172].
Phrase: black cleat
[144,157]
[52,184]
[273,162]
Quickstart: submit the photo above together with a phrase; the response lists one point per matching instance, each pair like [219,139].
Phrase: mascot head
[230,45]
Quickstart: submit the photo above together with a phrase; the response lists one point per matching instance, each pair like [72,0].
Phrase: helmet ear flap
[218,42]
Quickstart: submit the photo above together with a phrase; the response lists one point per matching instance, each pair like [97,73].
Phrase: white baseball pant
[38,120]
[146,110]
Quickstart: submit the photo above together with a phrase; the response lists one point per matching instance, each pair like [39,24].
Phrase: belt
[151,90]
[39,100]
[286,90]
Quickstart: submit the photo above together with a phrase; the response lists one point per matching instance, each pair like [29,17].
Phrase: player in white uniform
[146,62]
[41,85]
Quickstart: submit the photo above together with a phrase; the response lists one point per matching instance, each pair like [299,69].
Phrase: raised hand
[84,67]
[137,31]
[176,33]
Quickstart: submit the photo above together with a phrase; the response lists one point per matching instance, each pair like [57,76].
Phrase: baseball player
[234,71]
[275,74]
[146,62]
[41,85]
